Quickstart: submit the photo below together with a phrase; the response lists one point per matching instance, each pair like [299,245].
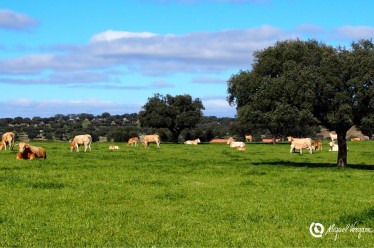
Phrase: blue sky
[95,56]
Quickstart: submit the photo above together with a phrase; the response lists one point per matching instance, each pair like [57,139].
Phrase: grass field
[207,195]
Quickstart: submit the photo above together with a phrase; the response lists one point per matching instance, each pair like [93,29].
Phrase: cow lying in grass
[234,143]
[192,142]
[26,151]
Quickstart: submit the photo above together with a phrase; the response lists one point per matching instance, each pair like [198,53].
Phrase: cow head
[72,146]
[22,147]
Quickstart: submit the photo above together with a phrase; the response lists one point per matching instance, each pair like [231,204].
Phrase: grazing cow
[26,151]
[113,147]
[152,138]
[248,138]
[300,144]
[234,143]
[192,142]
[333,136]
[84,139]
[8,138]
[317,145]
[133,141]
[355,139]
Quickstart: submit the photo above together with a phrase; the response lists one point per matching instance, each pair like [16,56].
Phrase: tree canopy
[296,84]
[175,113]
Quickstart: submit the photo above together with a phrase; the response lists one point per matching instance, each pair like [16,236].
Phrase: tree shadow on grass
[315,165]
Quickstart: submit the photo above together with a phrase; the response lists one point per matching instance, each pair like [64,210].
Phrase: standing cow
[7,139]
[153,138]
[84,139]
[300,144]
[133,141]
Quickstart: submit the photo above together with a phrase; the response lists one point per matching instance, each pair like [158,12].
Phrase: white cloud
[218,107]
[15,21]
[209,80]
[151,54]
[353,32]
[111,35]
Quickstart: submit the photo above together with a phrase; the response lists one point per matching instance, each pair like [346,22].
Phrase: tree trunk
[175,135]
[342,149]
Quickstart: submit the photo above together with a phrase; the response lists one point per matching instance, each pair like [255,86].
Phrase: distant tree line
[107,127]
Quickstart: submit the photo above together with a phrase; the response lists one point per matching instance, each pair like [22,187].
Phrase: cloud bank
[11,20]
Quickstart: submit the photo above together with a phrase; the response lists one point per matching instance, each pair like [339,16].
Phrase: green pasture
[208,195]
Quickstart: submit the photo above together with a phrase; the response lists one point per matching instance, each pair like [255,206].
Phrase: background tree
[173,113]
[297,84]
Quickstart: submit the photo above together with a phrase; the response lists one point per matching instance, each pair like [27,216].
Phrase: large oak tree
[175,113]
[296,84]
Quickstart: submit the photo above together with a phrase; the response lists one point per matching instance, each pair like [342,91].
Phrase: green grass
[207,195]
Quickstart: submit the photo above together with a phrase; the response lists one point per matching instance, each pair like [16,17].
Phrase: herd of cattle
[26,151]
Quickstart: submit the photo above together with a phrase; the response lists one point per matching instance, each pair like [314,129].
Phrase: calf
[317,145]
[133,141]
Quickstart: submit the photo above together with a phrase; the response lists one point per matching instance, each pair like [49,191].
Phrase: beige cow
[152,138]
[26,151]
[300,144]
[7,139]
[248,138]
[84,139]
[113,147]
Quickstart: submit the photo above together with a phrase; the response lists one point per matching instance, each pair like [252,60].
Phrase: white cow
[334,147]
[84,139]
[333,136]
[192,142]
[300,144]
[234,143]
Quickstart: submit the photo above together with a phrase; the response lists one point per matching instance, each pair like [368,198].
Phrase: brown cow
[7,138]
[317,145]
[133,141]
[26,151]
